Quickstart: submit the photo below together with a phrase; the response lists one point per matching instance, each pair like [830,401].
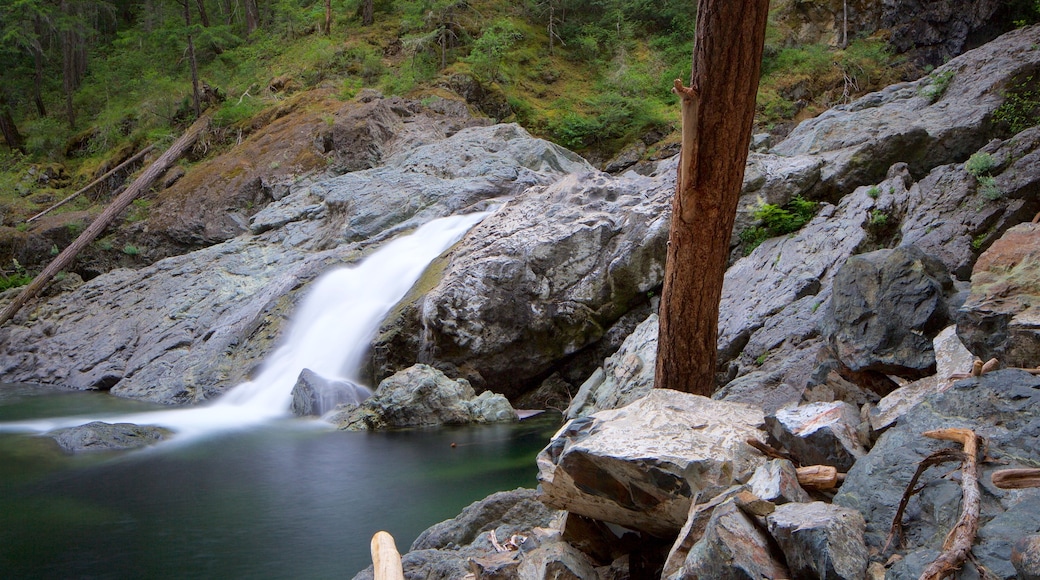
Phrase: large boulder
[1002,407]
[885,309]
[539,281]
[733,547]
[422,396]
[641,466]
[1001,317]
[820,540]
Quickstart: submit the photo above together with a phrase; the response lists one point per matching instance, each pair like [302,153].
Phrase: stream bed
[289,498]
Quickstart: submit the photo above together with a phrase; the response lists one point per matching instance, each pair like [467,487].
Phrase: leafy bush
[488,51]
[1021,107]
[15,280]
[938,84]
[988,188]
[980,164]
[774,220]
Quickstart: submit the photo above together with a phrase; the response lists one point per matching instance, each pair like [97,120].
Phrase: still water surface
[289,499]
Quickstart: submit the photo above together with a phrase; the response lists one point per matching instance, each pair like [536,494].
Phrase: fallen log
[386,560]
[1016,478]
[120,203]
[819,477]
[108,174]
[958,542]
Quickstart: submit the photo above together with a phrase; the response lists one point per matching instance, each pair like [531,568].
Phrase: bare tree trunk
[718,111]
[120,203]
[367,13]
[38,63]
[8,128]
[195,99]
[203,16]
[252,16]
[328,17]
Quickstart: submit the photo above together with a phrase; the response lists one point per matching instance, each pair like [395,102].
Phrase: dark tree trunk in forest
[7,127]
[367,12]
[252,16]
[195,99]
[203,16]
[74,59]
[718,111]
[38,63]
[328,17]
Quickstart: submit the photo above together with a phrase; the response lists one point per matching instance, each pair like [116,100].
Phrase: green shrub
[980,164]
[988,188]
[938,84]
[131,250]
[774,220]
[15,280]
[490,48]
[234,112]
[1021,107]
[878,219]
[874,192]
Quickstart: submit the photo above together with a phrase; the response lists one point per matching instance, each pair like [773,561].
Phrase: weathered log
[819,477]
[1016,478]
[386,560]
[121,202]
[86,188]
[958,542]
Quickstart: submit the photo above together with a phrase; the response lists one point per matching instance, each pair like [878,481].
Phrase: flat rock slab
[100,436]
[642,465]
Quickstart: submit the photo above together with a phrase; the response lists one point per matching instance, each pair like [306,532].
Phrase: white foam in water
[329,335]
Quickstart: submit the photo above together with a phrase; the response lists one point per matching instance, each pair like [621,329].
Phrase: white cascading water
[329,335]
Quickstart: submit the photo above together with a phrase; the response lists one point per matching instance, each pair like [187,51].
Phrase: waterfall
[329,334]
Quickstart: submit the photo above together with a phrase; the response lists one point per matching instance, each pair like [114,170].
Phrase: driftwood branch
[912,489]
[108,174]
[386,560]
[958,542]
[771,452]
[1016,478]
[121,202]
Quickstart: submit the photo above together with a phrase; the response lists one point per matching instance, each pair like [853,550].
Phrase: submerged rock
[315,395]
[422,396]
[100,436]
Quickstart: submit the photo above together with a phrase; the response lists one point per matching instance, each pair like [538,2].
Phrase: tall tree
[7,127]
[367,12]
[192,63]
[718,111]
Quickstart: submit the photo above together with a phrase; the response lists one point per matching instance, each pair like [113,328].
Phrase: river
[289,499]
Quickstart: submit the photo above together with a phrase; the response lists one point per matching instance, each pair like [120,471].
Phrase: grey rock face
[315,395]
[99,436]
[540,280]
[819,433]
[951,217]
[860,141]
[423,396]
[732,548]
[1004,408]
[626,375]
[820,540]
[1001,317]
[184,329]
[777,482]
[641,466]
[885,309]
